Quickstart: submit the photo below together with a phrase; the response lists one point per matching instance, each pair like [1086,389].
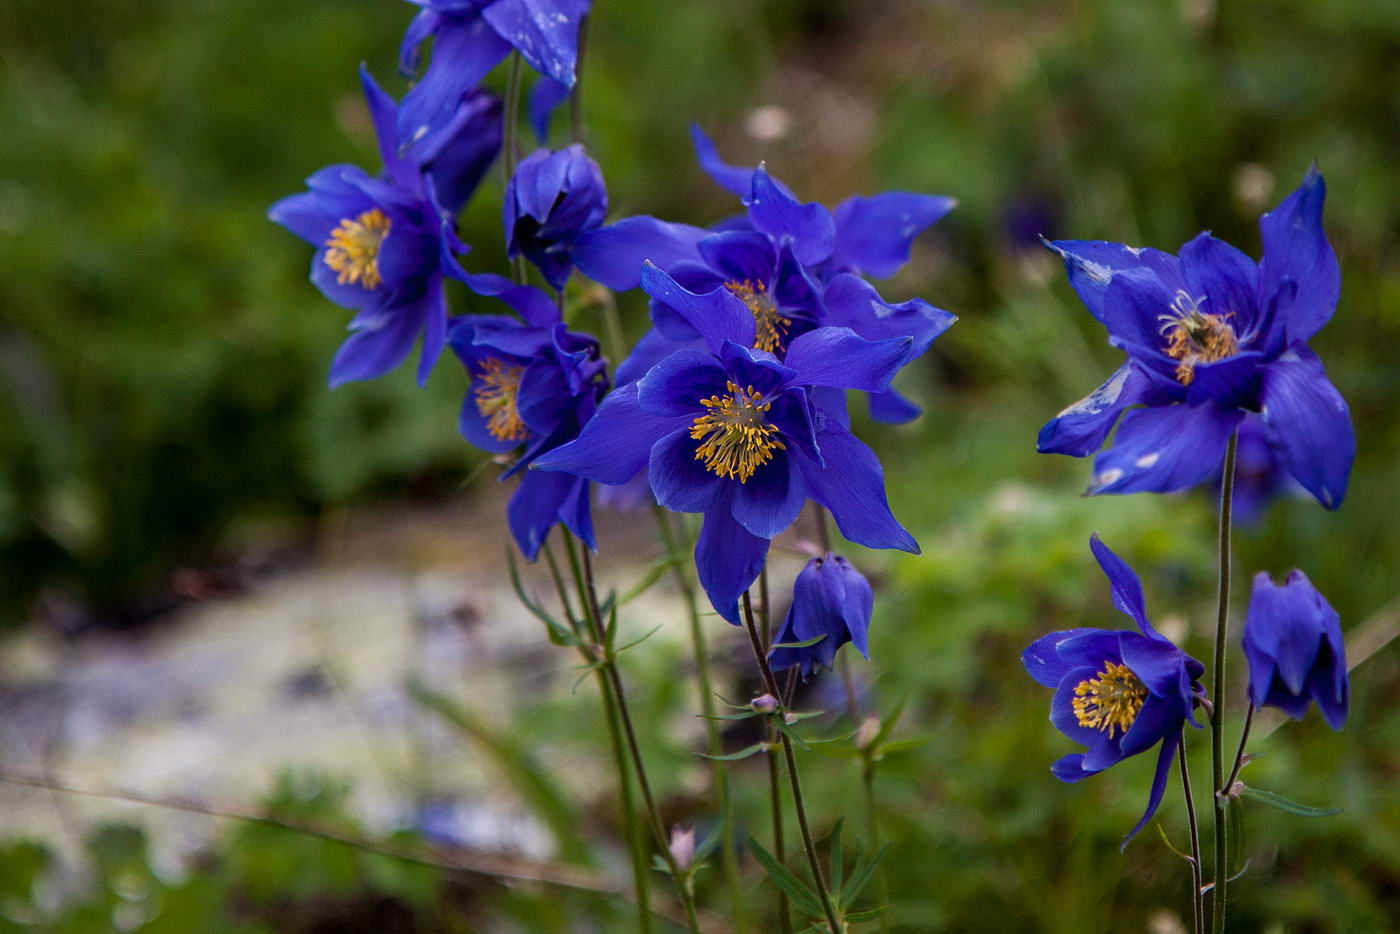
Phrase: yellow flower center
[354,249]
[496,392]
[1111,701]
[1196,337]
[735,439]
[770,326]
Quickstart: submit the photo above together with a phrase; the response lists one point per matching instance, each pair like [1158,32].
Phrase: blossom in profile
[383,241]
[533,385]
[1210,337]
[551,200]
[731,432]
[831,601]
[470,37]
[1293,643]
[1118,693]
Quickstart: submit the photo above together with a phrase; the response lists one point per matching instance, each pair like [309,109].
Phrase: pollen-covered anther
[496,392]
[770,326]
[1193,336]
[735,440]
[1111,701]
[354,249]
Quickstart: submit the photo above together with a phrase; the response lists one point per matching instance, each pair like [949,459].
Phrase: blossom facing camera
[551,200]
[1211,336]
[1119,693]
[1293,643]
[830,599]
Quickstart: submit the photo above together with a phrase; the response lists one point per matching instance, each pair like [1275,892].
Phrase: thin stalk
[1198,905]
[729,855]
[576,129]
[588,594]
[1239,754]
[775,796]
[1217,718]
[508,151]
[799,805]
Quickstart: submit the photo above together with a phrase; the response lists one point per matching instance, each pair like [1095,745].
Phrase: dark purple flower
[533,385]
[831,599]
[383,241]
[735,434]
[1211,336]
[1293,642]
[552,199]
[1119,693]
[470,37]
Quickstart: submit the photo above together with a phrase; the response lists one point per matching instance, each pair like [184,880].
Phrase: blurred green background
[163,402]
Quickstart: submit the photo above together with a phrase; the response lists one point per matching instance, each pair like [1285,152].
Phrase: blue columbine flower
[383,240]
[1293,642]
[1117,692]
[1211,335]
[552,199]
[735,434]
[534,384]
[830,598]
[794,266]
[470,37]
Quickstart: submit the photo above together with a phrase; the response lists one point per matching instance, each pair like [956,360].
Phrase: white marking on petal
[1147,460]
[881,309]
[1101,398]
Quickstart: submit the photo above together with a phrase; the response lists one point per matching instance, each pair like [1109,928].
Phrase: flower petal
[1124,583]
[1047,666]
[1081,429]
[891,408]
[873,235]
[1296,249]
[808,227]
[1224,276]
[375,350]
[1093,264]
[769,501]
[464,50]
[677,384]
[1070,768]
[1309,424]
[651,349]
[616,442]
[679,480]
[841,358]
[537,505]
[718,316]
[1161,450]
[851,484]
[740,256]
[852,302]
[613,255]
[731,178]
[728,559]
[544,31]
[1159,785]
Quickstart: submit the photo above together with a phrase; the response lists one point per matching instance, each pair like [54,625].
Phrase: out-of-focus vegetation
[163,399]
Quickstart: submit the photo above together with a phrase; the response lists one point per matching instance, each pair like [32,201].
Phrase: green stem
[1198,906]
[1239,754]
[799,805]
[1217,717]
[775,792]
[576,130]
[508,152]
[729,854]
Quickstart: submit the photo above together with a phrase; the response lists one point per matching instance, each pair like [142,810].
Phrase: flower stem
[588,596]
[1217,697]
[1239,754]
[508,152]
[799,805]
[576,130]
[1198,907]
[729,855]
[775,793]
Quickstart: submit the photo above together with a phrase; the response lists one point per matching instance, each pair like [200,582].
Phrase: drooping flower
[1119,693]
[735,434]
[533,385]
[383,240]
[794,266]
[1293,643]
[1211,336]
[552,199]
[470,37]
[831,599]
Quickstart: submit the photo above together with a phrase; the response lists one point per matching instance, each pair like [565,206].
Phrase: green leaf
[736,756]
[1172,847]
[731,716]
[901,745]
[558,633]
[856,917]
[862,872]
[657,572]
[1236,831]
[636,642]
[887,723]
[838,869]
[1283,804]
[799,645]
[801,896]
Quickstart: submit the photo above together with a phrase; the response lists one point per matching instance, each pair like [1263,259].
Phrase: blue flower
[1293,642]
[1210,336]
[735,434]
[830,598]
[383,240]
[551,200]
[1119,693]
[470,37]
[1259,473]
[533,385]
[794,266]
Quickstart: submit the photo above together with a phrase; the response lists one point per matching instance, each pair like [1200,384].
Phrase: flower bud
[1293,643]
[551,200]
[682,846]
[869,729]
[830,598]
[764,703]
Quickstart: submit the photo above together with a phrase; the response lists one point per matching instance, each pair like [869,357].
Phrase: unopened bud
[869,729]
[764,703]
[682,846]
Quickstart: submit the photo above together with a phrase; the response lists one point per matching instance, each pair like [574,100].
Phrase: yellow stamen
[770,326]
[1111,701]
[354,249]
[496,395]
[1196,337]
[736,440]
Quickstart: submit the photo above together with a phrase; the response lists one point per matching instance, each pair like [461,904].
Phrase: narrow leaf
[801,896]
[736,756]
[799,645]
[1283,804]
[657,572]
[838,869]
[558,633]
[1170,846]
[856,917]
[861,876]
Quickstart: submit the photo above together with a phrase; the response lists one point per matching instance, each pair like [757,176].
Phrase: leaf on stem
[1283,804]
[801,896]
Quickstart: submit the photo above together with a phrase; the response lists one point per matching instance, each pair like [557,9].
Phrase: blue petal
[615,444]
[459,152]
[383,115]
[1047,666]
[464,50]
[769,501]
[1062,713]
[1224,276]
[1070,768]
[1164,449]
[728,559]
[677,384]
[1124,583]
[1133,305]
[851,484]
[535,507]
[873,235]
[808,227]
[1229,383]
[374,351]
[1309,424]
[792,415]
[434,330]
[1296,249]
[614,255]
[740,256]
[731,178]
[544,97]
[304,215]
[718,316]
[680,481]
[1081,429]
[651,349]
[841,358]
[852,302]
[891,408]
[1159,665]
[1280,635]
[1159,785]
[1093,264]
[544,31]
